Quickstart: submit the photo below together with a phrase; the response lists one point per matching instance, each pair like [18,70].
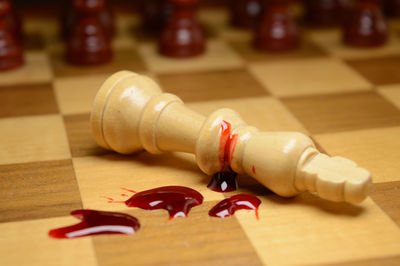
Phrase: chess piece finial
[131,113]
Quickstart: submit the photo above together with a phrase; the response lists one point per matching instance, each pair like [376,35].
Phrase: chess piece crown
[131,113]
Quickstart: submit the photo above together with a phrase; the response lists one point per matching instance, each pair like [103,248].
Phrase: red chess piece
[183,36]
[392,8]
[277,31]
[245,13]
[11,55]
[69,16]
[366,26]
[89,42]
[323,13]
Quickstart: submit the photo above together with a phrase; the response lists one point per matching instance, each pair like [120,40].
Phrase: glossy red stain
[176,200]
[229,206]
[97,222]
[223,182]
[227,144]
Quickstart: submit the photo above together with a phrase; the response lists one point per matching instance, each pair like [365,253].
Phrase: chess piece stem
[131,113]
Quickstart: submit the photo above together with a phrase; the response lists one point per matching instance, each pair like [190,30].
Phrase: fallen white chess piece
[131,113]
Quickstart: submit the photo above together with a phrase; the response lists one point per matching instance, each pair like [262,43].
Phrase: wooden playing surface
[348,100]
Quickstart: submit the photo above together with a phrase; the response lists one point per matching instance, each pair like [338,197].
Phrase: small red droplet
[129,190]
[254,169]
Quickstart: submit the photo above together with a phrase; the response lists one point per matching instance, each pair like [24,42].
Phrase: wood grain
[379,71]
[196,240]
[80,138]
[27,100]
[343,112]
[387,196]
[213,85]
[37,190]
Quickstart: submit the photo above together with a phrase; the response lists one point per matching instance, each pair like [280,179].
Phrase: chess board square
[35,70]
[379,71]
[307,230]
[27,243]
[343,112]
[250,54]
[378,150]
[265,113]
[225,84]
[218,56]
[138,172]
[34,41]
[391,93]
[80,137]
[27,100]
[33,138]
[123,58]
[76,94]
[331,41]
[38,190]
[305,77]
[387,196]
[198,239]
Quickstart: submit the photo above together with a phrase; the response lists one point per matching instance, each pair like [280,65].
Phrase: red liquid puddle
[97,222]
[223,182]
[229,206]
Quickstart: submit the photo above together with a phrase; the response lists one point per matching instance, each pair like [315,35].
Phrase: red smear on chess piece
[97,222]
[176,200]
[278,31]
[229,206]
[227,144]
[366,26]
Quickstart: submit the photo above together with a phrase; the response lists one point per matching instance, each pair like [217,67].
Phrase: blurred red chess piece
[11,54]
[183,35]
[366,26]
[245,13]
[69,17]
[278,31]
[89,42]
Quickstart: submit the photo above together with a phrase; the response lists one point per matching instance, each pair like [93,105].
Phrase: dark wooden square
[379,71]
[80,137]
[38,190]
[343,112]
[21,100]
[215,85]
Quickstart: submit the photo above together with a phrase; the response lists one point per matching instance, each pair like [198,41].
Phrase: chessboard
[346,99]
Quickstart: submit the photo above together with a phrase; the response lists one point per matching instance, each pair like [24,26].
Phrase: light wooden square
[33,138]
[76,94]
[35,70]
[27,243]
[307,230]
[391,93]
[331,41]
[311,76]
[265,113]
[105,175]
[378,150]
[218,56]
